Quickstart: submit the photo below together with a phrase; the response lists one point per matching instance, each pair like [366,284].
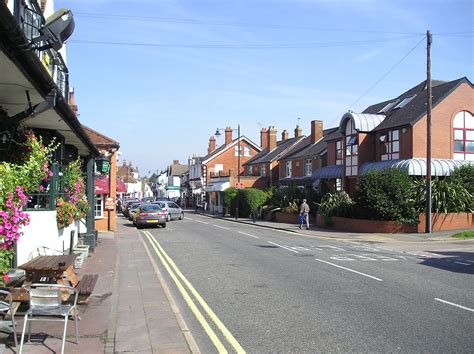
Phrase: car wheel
[181,216]
[163,225]
[168,217]
[139,226]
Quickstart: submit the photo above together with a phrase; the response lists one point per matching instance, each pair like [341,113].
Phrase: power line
[388,72]
[227,23]
[245,46]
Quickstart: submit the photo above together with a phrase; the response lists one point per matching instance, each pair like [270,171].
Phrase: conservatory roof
[417,166]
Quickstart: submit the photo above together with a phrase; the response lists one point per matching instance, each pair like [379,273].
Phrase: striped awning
[328,172]
[417,166]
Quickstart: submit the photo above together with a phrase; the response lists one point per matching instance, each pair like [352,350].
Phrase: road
[244,288]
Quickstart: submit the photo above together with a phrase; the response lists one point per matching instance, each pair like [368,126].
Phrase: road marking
[200,317]
[462,263]
[188,218]
[350,270]
[221,227]
[246,234]
[202,222]
[452,249]
[286,248]
[228,336]
[453,304]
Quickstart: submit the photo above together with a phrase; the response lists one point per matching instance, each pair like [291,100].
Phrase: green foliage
[386,194]
[230,196]
[285,198]
[250,200]
[448,195]
[464,234]
[6,257]
[336,204]
[465,175]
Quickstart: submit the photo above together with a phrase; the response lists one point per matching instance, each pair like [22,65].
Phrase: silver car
[149,214]
[173,210]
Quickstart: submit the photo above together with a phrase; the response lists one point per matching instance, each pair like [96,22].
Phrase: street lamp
[217,133]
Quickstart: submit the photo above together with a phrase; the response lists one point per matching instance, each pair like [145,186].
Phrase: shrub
[230,195]
[292,208]
[465,175]
[250,200]
[386,194]
[337,204]
[285,198]
[448,195]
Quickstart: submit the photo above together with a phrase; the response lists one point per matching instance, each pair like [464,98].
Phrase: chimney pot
[284,135]
[263,138]
[316,131]
[228,135]
[272,138]
[298,131]
[212,144]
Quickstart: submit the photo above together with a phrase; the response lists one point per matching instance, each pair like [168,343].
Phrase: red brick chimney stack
[212,144]
[228,135]
[316,131]
[272,138]
[263,138]
[72,103]
[284,135]
[298,131]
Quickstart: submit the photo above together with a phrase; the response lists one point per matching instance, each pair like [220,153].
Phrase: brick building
[393,134]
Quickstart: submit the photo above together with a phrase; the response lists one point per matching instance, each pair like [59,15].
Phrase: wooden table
[51,269]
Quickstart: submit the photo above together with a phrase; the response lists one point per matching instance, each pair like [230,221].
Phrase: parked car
[149,214]
[172,210]
[133,209]
[126,206]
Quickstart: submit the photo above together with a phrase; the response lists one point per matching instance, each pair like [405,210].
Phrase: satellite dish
[56,30]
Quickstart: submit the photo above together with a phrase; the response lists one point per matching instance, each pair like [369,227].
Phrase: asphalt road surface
[258,290]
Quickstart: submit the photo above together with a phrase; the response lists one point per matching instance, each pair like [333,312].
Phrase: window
[218,167]
[388,106]
[339,152]
[288,169]
[404,102]
[263,170]
[236,150]
[99,206]
[247,150]
[308,167]
[351,151]
[390,145]
[463,133]
[250,170]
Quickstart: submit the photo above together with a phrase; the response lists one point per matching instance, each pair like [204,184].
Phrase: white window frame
[308,167]
[247,151]
[351,151]
[463,124]
[288,169]
[391,142]
[99,206]
[263,170]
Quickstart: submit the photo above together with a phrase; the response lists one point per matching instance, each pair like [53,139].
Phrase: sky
[159,76]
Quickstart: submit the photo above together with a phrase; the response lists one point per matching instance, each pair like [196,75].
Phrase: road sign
[239,185]
[109,204]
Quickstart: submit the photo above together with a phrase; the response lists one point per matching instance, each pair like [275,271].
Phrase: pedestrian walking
[304,214]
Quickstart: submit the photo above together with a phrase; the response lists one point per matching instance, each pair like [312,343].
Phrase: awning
[102,185]
[363,122]
[217,187]
[417,166]
[328,172]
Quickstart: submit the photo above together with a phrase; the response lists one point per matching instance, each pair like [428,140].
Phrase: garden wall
[450,221]
[290,218]
[366,226]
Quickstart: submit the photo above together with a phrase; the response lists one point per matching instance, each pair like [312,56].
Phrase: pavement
[131,308]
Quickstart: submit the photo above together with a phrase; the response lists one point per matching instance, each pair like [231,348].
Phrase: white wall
[43,232]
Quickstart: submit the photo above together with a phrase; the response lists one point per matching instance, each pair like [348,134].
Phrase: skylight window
[388,106]
[404,102]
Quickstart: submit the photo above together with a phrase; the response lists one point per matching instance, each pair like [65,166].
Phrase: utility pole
[238,170]
[428,133]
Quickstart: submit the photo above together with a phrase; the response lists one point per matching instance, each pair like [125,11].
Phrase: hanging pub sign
[102,164]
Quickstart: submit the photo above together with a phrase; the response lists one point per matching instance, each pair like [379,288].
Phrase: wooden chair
[46,305]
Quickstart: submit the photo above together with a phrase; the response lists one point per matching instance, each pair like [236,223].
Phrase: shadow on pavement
[458,262]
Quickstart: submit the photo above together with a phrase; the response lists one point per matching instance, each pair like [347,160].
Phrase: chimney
[263,138]
[124,163]
[175,162]
[298,131]
[316,130]
[284,135]
[271,138]
[228,135]
[212,144]
[72,103]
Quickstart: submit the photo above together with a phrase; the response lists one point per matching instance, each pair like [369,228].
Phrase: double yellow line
[182,283]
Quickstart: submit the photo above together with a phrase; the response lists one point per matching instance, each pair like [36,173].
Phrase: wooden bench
[85,286]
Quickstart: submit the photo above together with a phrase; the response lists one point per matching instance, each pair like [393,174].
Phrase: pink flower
[5,277]
[41,188]
[4,246]
[50,173]
[7,225]
[15,228]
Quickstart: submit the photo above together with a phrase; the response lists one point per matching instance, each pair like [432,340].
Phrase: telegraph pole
[428,132]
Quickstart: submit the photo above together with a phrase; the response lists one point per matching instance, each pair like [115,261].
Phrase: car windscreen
[150,208]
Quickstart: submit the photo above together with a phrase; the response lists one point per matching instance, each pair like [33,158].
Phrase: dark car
[133,208]
[172,210]
[149,214]
[126,206]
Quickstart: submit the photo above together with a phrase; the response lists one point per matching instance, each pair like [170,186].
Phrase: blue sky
[163,102]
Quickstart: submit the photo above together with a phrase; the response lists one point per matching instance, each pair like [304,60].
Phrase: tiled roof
[415,109]
[266,156]
[223,147]
[305,148]
[178,169]
[100,140]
